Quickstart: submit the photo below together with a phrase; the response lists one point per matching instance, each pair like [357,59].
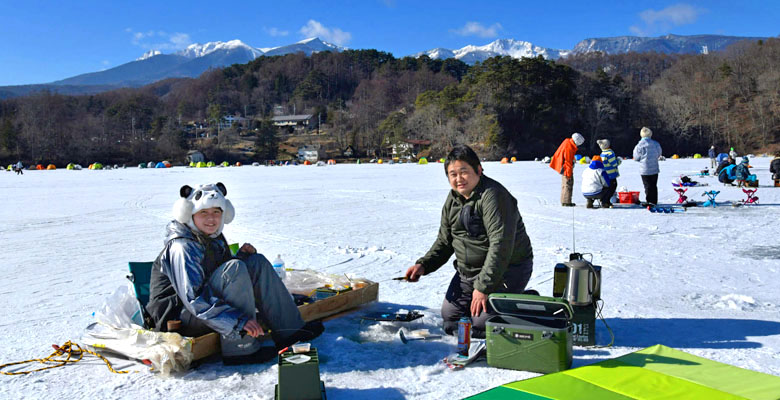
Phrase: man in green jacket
[481,224]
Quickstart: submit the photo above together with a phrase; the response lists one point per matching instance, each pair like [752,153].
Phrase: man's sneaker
[308,332]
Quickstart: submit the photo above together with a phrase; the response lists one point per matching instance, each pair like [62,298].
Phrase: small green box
[299,381]
[531,333]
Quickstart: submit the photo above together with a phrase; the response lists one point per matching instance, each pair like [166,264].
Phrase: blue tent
[577,156]
[160,165]
[721,157]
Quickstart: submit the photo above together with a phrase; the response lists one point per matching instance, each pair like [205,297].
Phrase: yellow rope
[69,353]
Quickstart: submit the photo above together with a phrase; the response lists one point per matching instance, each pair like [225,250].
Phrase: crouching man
[196,280]
[481,224]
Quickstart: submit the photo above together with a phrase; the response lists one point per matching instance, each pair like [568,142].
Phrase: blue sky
[43,41]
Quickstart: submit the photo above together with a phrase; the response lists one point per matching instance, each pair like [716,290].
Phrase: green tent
[225,164]
[142,165]
[423,161]
[70,166]
[200,164]
[652,373]
[210,164]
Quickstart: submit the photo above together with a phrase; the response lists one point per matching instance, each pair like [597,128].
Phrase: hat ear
[185,191]
[182,210]
[221,188]
[228,213]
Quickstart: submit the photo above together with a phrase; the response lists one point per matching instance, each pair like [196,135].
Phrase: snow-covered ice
[704,281]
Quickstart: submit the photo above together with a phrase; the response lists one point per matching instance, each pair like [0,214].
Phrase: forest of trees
[368,99]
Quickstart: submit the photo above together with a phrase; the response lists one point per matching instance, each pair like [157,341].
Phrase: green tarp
[657,372]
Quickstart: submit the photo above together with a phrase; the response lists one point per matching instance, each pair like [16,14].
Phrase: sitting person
[727,175]
[742,171]
[725,163]
[195,280]
[595,184]
[774,168]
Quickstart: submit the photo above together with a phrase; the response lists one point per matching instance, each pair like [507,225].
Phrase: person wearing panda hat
[197,281]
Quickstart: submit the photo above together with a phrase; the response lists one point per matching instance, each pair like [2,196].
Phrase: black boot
[590,204]
[308,332]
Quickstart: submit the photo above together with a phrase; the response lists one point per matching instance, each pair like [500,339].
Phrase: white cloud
[662,21]
[159,40]
[275,32]
[332,35]
[477,29]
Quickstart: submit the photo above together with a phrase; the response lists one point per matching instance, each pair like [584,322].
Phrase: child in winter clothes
[196,280]
[611,163]
[742,171]
[595,184]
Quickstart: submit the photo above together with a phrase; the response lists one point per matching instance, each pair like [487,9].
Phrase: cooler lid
[526,305]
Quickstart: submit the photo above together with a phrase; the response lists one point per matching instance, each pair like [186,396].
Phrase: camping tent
[331,162]
[238,163]
[70,166]
[142,165]
[577,156]
[210,164]
[513,159]
[167,164]
[96,166]
[697,155]
[504,160]
[652,373]
[225,164]
[255,164]
[200,164]
[39,167]
[675,156]
[307,162]
[160,165]
[51,166]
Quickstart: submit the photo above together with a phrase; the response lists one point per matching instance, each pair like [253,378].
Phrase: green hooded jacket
[497,238]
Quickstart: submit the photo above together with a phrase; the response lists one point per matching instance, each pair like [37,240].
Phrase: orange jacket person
[563,162]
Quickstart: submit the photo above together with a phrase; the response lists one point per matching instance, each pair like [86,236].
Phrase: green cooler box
[531,333]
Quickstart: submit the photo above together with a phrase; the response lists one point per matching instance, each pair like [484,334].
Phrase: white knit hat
[603,143]
[206,196]
[578,139]
[645,132]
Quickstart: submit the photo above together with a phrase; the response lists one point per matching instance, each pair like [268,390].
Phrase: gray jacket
[180,279]
[647,152]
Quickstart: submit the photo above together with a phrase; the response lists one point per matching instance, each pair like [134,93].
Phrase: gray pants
[250,286]
[457,301]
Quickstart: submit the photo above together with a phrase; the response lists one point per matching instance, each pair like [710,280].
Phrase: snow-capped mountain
[199,50]
[306,46]
[669,44]
[149,54]
[190,62]
[503,47]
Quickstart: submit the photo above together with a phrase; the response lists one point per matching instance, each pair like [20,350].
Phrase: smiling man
[481,225]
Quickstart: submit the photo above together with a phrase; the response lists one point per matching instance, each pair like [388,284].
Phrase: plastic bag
[121,309]
[167,351]
[306,281]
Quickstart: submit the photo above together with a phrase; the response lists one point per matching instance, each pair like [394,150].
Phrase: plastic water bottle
[278,265]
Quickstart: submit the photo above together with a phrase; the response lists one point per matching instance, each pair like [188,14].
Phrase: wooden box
[206,345]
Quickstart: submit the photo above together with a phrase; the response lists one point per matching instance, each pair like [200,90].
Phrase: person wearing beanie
[742,171]
[197,281]
[563,162]
[713,157]
[611,163]
[646,153]
[595,183]
[482,226]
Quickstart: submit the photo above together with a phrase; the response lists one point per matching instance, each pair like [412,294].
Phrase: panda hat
[205,196]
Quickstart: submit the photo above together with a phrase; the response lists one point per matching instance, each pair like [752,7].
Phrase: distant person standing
[733,153]
[611,163]
[19,168]
[647,152]
[713,157]
[774,168]
[563,162]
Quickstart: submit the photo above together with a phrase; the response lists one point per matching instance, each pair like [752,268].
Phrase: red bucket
[628,197]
